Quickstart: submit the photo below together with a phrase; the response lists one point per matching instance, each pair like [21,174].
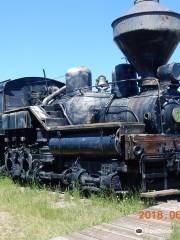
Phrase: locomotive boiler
[113,138]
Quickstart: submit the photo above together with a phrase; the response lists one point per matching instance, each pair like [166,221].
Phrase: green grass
[176,231]
[31,213]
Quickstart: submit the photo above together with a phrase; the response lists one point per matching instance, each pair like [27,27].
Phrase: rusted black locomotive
[114,139]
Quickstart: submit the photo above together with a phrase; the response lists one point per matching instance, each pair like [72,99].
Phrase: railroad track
[154,223]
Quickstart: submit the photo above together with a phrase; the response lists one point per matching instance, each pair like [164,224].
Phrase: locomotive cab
[25,92]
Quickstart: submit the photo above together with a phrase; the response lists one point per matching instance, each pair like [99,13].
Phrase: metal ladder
[161,174]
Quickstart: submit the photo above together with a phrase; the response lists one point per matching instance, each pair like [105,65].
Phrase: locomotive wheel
[8,161]
[25,159]
[18,163]
[12,163]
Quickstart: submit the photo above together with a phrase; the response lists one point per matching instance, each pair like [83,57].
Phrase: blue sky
[59,34]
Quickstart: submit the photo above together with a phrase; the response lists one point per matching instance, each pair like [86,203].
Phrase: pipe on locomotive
[53,95]
[86,146]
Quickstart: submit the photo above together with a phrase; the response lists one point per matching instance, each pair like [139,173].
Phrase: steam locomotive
[104,139]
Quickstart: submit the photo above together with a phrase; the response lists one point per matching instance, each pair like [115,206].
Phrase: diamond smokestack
[148,35]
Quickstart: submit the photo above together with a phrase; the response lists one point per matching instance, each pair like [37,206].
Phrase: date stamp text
[159,215]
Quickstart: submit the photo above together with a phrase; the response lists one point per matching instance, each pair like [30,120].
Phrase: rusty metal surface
[154,145]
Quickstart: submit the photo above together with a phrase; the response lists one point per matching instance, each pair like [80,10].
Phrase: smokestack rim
[139,1]
[121,25]
[145,7]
